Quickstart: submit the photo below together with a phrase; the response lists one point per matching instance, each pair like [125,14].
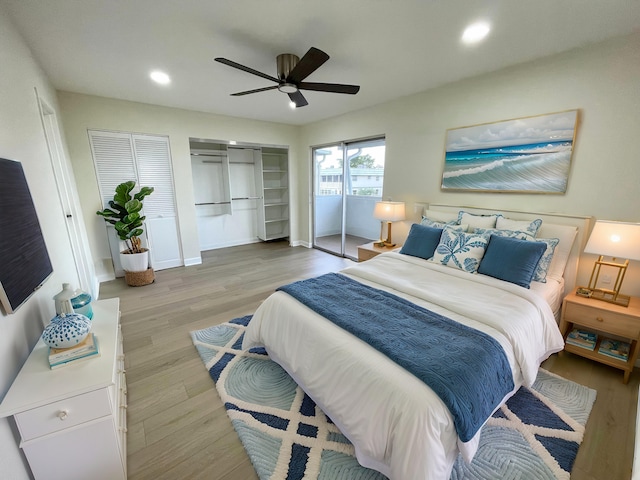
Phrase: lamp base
[608,296]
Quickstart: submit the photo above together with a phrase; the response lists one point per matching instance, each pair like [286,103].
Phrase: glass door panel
[347,182]
[328,187]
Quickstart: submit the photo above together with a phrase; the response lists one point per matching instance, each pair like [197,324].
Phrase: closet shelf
[277,204]
[274,220]
[213,203]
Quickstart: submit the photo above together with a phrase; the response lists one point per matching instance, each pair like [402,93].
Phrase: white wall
[603,81]
[82,112]
[22,138]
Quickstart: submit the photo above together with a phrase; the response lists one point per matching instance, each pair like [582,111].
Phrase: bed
[398,424]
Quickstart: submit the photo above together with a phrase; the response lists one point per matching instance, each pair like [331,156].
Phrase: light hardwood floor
[177,424]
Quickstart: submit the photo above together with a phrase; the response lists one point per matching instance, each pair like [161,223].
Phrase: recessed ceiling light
[475,32]
[160,77]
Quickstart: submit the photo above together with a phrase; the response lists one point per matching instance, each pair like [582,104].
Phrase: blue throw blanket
[466,368]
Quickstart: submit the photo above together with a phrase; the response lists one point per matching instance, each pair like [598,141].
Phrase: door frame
[69,200]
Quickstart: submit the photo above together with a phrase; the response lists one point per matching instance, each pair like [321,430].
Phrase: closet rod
[246,198]
[214,203]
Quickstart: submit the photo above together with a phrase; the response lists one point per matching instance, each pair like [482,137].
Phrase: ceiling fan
[292,70]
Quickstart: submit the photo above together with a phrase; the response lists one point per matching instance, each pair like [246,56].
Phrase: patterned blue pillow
[523,225]
[460,250]
[518,234]
[435,224]
[545,261]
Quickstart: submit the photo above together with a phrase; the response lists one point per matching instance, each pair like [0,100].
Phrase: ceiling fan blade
[308,64]
[298,99]
[246,69]
[330,87]
[257,90]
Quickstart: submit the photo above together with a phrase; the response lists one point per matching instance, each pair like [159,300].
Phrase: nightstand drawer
[63,414]
[610,322]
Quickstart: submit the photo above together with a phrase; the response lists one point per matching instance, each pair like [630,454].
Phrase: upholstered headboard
[554,225]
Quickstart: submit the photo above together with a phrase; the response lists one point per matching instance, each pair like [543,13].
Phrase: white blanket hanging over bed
[397,424]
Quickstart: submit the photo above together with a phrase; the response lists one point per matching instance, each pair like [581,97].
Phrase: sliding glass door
[347,182]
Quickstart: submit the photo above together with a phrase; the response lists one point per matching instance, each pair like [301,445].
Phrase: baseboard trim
[188,262]
[300,243]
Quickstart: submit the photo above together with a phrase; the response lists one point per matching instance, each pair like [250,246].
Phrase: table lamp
[389,212]
[618,240]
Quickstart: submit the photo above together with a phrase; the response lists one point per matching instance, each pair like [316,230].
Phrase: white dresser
[72,420]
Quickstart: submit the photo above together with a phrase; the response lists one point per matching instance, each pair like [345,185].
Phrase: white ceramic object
[63,299]
[135,262]
[66,330]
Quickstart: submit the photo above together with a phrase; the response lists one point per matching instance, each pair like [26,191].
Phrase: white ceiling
[391,48]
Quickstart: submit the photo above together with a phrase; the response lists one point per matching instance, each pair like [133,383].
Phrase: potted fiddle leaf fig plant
[125,215]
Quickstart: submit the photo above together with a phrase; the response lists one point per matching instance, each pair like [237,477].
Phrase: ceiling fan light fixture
[292,105]
[287,88]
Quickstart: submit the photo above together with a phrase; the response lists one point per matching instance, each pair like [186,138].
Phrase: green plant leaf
[133,206]
[122,192]
[144,191]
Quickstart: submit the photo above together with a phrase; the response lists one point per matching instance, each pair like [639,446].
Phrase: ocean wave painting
[531,154]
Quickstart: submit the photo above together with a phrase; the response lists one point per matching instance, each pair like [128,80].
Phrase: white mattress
[552,291]
[397,424]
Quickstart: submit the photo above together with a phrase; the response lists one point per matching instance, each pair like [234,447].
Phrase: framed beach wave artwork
[523,155]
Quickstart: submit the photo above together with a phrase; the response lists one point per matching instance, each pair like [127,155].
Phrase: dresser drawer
[610,322]
[63,414]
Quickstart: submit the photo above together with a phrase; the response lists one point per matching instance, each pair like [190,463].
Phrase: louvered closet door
[120,157]
[153,159]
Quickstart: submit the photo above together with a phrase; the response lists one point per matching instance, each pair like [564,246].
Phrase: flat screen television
[24,260]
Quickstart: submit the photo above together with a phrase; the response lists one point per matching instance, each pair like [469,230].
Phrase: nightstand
[606,320]
[370,250]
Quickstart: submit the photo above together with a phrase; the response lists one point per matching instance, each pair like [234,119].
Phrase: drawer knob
[63,414]
[600,319]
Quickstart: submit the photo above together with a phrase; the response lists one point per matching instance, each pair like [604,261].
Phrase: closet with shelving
[241,192]
[273,180]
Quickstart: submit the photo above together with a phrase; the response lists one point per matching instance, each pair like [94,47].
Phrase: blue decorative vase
[82,304]
[66,330]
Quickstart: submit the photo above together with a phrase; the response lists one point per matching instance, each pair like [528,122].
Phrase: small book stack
[615,349]
[582,338]
[88,348]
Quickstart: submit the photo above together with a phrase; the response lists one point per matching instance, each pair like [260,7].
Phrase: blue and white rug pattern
[535,435]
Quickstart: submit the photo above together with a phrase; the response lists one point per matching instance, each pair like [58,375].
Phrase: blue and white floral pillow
[518,234]
[435,224]
[532,227]
[460,250]
[545,261]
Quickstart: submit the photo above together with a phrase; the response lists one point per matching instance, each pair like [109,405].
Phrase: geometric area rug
[536,435]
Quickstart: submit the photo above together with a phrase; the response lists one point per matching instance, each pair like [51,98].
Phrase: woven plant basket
[138,279]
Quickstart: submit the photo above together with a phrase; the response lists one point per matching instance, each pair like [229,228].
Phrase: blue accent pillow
[511,259]
[422,241]
[460,250]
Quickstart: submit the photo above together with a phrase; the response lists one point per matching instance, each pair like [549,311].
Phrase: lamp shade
[389,211]
[615,239]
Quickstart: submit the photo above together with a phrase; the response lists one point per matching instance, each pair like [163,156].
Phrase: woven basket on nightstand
[138,279]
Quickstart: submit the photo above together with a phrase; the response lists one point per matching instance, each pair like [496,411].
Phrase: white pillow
[477,221]
[531,227]
[460,250]
[441,216]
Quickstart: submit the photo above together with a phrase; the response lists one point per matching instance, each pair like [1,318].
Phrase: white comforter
[397,424]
